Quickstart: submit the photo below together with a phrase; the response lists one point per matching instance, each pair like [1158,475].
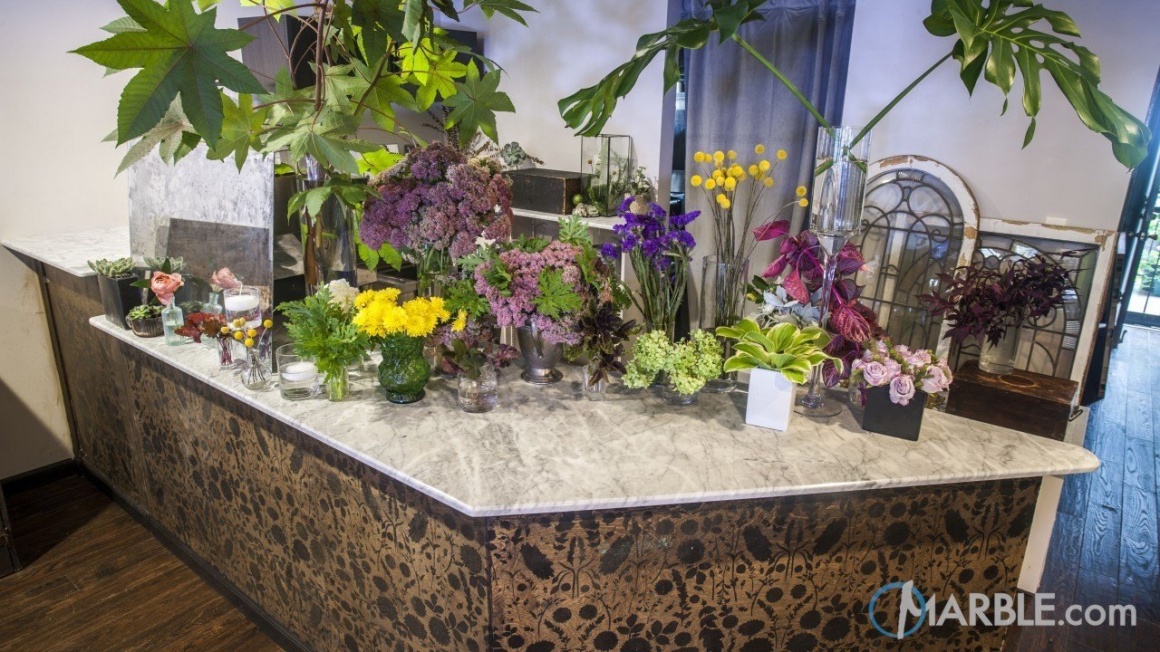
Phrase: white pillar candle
[241,302]
[298,372]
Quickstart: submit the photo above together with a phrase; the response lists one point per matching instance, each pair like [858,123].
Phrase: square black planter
[885,417]
[118,297]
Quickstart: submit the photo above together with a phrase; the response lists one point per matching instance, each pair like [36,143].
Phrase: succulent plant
[783,347]
[167,265]
[144,312]
[115,269]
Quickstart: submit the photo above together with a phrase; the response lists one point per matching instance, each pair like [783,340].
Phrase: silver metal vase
[540,357]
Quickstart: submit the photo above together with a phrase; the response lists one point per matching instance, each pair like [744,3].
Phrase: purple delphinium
[436,199]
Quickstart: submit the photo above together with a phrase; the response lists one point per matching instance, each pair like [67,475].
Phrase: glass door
[1144,298]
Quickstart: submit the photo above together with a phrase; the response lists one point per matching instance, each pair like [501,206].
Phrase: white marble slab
[547,449]
[70,252]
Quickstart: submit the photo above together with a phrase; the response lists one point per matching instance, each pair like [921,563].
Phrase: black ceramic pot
[118,297]
[883,416]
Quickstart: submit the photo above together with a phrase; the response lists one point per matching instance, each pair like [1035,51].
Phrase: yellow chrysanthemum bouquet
[400,329]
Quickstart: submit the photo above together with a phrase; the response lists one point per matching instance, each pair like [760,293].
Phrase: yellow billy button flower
[249,343]
[731,155]
[696,180]
[768,181]
[731,184]
[718,156]
[726,204]
[225,330]
[700,157]
[753,169]
[782,154]
[800,191]
[759,149]
[803,202]
[252,333]
[710,184]
[763,165]
[736,171]
[269,323]
[238,336]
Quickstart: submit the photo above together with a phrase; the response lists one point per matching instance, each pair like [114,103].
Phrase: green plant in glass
[322,331]
[783,347]
[994,40]
[686,365]
[369,59]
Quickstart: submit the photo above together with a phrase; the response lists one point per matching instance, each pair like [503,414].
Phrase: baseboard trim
[257,615]
[37,478]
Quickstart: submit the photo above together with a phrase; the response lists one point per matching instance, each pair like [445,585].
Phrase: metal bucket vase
[540,357]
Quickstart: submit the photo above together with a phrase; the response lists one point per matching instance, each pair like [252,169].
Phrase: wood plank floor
[95,579]
[1104,548]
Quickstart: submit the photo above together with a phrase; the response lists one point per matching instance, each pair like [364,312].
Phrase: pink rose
[164,285]
[901,389]
[225,279]
[875,373]
[935,380]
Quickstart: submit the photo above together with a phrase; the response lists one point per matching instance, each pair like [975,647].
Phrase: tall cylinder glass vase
[843,155]
[722,302]
[1000,358]
[328,236]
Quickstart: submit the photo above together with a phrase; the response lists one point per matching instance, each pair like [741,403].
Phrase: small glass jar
[255,373]
[243,303]
[478,395]
[172,318]
[594,391]
[338,385]
[297,376]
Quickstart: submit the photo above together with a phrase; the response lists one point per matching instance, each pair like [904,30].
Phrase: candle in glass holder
[297,376]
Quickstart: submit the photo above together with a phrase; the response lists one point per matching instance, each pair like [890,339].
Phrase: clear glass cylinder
[338,386]
[840,189]
[328,251]
[481,394]
[297,376]
[722,302]
[243,303]
[594,390]
[225,348]
[254,375]
[1000,358]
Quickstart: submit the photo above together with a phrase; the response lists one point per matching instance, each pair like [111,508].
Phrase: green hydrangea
[688,364]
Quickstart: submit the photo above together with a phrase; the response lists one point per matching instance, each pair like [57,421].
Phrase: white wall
[1067,172]
[55,176]
[567,46]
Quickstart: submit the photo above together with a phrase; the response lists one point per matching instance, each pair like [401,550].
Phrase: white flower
[342,294]
[483,242]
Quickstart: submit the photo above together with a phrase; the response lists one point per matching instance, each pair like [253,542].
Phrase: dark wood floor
[1104,548]
[94,579]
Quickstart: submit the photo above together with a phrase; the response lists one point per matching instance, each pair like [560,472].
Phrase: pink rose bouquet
[904,370]
[165,285]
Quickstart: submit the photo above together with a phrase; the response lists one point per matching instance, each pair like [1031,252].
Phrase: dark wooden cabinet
[8,562]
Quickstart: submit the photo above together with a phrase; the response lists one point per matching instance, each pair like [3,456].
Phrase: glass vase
[338,385]
[540,356]
[999,358]
[404,371]
[225,346]
[172,318]
[255,374]
[594,390]
[328,248]
[723,284]
[674,397]
[480,394]
[838,193]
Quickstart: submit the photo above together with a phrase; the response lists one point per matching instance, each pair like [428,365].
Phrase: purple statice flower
[515,304]
[436,200]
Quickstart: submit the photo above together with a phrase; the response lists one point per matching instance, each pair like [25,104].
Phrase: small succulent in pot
[115,281]
[113,269]
[145,320]
[149,311]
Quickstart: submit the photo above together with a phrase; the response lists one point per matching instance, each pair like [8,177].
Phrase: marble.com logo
[998,610]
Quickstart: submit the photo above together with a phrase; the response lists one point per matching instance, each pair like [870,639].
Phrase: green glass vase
[404,371]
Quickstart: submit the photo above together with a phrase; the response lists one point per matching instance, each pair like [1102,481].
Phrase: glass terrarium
[609,172]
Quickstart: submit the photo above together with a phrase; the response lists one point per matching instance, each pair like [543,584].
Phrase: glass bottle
[172,318]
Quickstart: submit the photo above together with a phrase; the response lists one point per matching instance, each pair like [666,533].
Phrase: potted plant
[659,249]
[364,61]
[603,335]
[399,330]
[145,320]
[894,381]
[992,304]
[778,359]
[684,367]
[118,295]
[323,331]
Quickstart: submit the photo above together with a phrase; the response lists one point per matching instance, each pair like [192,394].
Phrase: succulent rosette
[903,369]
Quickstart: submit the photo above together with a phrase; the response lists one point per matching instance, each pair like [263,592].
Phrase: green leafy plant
[114,269]
[147,311]
[783,347]
[369,58]
[993,40]
[323,332]
[687,365]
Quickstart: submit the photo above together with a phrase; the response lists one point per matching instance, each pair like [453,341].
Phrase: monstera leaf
[996,40]
[180,53]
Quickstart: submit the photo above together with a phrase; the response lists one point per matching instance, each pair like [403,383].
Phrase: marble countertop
[70,252]
[547,449]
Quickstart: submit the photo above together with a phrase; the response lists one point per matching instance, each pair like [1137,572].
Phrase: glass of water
[297,376]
